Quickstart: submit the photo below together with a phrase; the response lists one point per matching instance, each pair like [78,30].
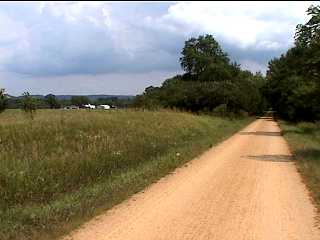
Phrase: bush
[243,113]
[29,104]
[221,110]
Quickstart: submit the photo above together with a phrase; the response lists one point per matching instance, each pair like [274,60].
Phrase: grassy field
[304,141]
[63,167]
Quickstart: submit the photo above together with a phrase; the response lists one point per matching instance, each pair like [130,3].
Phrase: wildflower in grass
[118,153]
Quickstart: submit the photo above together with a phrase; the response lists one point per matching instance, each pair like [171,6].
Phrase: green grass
[64,167]
[304,141]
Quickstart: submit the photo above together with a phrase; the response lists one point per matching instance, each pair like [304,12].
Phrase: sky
[124,47]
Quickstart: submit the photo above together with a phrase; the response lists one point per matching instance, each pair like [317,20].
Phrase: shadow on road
[271,158]
[261,133]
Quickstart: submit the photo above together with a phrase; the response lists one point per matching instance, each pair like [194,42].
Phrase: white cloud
[61,39]
[245,24]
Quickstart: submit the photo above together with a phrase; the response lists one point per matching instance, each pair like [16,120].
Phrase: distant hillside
[95,97]
[91,97]
[9,96]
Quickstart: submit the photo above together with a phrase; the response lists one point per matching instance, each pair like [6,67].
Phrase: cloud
[84,38]
[59,39]
[258,30]
[106,83]
[245,24]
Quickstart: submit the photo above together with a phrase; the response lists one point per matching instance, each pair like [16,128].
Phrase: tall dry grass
[64,166]
[304,141]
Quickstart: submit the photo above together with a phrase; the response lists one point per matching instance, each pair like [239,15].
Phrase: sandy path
[246,188]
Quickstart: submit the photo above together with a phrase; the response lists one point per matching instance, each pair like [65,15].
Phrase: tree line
[293,80]
[52,102]
[29,104]
[211,83]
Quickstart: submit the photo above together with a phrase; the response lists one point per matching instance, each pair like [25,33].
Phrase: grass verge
[304,141]
[64,167]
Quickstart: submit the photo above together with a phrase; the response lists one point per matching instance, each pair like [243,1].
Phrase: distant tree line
[52,102]
[293,80]
[26,103]
[211,83]
[49,101]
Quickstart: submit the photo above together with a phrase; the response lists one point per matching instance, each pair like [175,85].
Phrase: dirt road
[246,188]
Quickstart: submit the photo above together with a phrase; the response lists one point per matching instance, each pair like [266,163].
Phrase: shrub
[29,104]
[221,110]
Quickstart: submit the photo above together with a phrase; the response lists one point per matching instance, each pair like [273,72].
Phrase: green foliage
[3,100]
[203,56]
[293,86]
[309,33]
[58,169]
[221,110]
[52,101]
[29,104]
[210,81]
[80,100]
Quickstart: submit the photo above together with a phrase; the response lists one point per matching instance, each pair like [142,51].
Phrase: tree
[204,55]
[309,33]
[52,101]
[3,100]
[307,38]
[293,86]
[29,104]
[79,100]
[210,82]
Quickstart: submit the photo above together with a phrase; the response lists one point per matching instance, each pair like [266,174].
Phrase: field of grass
[304,141]
[63,167]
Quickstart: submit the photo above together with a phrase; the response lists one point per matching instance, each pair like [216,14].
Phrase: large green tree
[203,59]
[293,86]
[210,82]
[309,33]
